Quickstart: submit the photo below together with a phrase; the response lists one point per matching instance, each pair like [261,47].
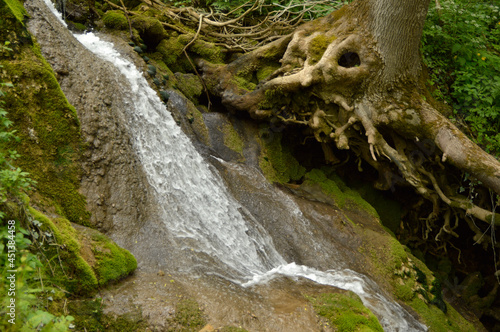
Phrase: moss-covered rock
[195,117]
[47,125]
[345,312]
[190,85]
[111,262]
[16,8]
[172,48]
[412,282]
[150,29]
[90,259]
[232,139]
[115,19]
[333,186]
[276,160]
[171,51]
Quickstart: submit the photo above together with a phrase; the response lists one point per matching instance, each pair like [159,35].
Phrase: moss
[328,186]
[343,196]
[79,26]
[345,312]
[47,125]
[207,51]
[318,46]
[264,71]
[113,262]
[115,19]
[188,317]
[172,48]
[171,51]
[243,83]
[232,139]
[78,275]
[190,85]
[276,160]
[150,29]
[273,97]
[84,272]
[413,283]
[198,124]
[388,209]
[438,321]
[17,8]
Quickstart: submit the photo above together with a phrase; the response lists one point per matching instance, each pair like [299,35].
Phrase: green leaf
[40,317]
[455,48]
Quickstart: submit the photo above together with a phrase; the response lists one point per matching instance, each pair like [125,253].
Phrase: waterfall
[201,213]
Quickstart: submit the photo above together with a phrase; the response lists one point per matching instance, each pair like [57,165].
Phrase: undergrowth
[461,48]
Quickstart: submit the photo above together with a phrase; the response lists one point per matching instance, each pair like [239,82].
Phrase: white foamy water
[198,209]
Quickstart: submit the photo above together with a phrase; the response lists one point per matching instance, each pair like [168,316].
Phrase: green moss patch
[207,51]
[111,262]
[345,312]
[232,139]
[334,187]
[276,160]
[190,85]
[78,276]
[172,55]
[115,19]
[150,29]
[388,209]
[17,8]
[318,46]
[264,71]
[195,117]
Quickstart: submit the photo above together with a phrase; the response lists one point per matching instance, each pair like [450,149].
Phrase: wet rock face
[113,181]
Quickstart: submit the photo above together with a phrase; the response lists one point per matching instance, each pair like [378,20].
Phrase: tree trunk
[397,28]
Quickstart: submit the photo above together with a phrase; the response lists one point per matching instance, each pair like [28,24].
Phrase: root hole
[349,60]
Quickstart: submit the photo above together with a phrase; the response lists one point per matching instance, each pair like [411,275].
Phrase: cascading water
[199,211]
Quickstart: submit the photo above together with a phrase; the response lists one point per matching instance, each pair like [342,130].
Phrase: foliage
[30,293]
[460,45]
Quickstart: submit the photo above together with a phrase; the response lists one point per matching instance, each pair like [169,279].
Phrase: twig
[128,19]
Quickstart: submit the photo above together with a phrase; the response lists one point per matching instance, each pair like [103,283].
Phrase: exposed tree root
[328,81]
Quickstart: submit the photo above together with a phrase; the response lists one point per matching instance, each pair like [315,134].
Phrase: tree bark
[396,26]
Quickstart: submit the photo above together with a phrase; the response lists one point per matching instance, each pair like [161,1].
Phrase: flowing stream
[199,211]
